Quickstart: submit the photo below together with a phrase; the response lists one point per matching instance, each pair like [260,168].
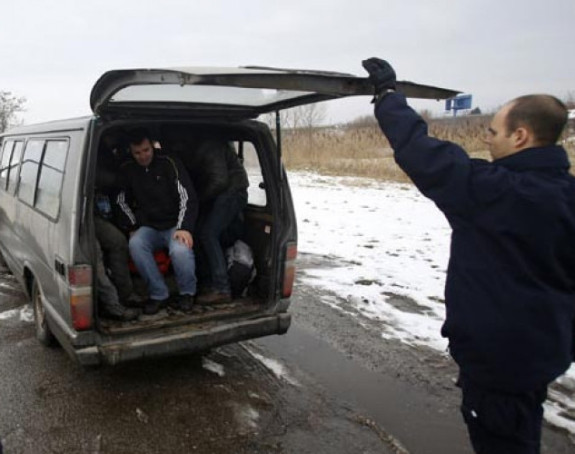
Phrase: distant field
[360,149]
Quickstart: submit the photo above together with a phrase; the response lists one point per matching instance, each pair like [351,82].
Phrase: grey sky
[52,52]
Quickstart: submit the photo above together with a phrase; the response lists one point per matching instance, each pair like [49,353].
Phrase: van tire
[43,332]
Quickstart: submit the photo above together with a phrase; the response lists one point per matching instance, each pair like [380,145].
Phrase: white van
[47,177]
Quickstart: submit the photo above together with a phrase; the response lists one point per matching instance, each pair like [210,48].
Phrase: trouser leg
[115,248]
[107,294]
[142,245]
[225,208]
[184,265]
[502,423]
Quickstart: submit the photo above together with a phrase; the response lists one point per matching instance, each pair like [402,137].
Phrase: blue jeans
[144,242]
[225,208]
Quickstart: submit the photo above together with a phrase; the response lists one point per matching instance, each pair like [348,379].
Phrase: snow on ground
[24,314]
[389,248]
[212,366]
[277,368]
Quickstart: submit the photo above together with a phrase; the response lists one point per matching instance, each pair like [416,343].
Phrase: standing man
[510,289]
[221,183]
[160,207]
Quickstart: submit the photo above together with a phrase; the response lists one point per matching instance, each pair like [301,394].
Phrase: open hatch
[244,92]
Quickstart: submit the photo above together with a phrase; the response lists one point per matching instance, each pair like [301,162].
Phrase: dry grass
[361,149]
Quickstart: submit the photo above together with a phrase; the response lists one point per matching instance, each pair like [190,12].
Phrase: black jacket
[510,289]
[215,168]
[159,196]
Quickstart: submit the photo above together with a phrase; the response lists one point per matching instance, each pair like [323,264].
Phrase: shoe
[186,303]
[120,313]
[153,306]
[214,298]
[134,300]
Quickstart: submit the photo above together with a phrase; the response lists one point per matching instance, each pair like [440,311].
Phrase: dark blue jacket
[510,289]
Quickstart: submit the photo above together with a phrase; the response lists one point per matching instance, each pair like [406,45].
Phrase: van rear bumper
[189,341]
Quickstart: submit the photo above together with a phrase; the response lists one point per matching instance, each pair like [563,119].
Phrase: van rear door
[244,92]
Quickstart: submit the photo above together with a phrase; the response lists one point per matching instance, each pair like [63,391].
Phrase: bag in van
[241,269]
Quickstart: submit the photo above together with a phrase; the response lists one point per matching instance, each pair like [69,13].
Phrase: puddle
[408,414]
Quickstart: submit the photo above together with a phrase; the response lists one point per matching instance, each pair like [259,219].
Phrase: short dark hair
[544,115]
[137,135]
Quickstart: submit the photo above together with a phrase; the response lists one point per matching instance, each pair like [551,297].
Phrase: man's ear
[522,138]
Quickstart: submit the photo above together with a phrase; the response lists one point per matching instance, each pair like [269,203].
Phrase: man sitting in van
[160,208]
[112,241]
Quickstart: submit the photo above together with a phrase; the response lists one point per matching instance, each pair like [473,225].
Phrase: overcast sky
[52,52]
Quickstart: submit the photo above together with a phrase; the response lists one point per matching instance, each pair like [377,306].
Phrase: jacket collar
[550,157]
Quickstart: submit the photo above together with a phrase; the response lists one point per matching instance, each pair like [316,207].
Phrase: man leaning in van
[160,207]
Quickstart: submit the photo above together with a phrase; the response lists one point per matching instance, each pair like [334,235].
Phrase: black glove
[381,75]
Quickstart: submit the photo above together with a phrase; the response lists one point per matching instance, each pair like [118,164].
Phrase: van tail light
[81,307]
[289,269]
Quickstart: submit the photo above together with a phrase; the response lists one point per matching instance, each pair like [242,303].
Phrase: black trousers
[500,422]
[114,246]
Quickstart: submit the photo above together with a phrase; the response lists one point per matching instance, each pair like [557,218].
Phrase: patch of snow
[12,313]
[142,417]
[246,417]
[277,368]
[26,314]
[212,366]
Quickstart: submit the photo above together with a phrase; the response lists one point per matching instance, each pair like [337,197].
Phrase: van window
[5,163]
[42,173]
[51,176]
[29,172]
[14,166]
[256,194]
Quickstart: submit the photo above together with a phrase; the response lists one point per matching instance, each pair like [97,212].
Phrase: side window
[51,176]
[5,163]
[256,190]
[15,166]
[29,171]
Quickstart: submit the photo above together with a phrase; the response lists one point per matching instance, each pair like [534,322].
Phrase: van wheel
[43,333]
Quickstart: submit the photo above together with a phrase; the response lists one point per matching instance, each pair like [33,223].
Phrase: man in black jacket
[221,184]
[510,289]
[160,208]
[222,191]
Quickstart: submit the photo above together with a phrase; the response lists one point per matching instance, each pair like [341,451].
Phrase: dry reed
[360,149]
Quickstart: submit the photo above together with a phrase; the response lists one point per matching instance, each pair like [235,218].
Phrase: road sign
[460,102]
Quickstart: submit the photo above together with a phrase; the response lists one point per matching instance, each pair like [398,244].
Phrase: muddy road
[331,385]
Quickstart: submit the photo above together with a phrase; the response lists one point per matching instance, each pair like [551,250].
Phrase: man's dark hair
[137,135]
[544,115]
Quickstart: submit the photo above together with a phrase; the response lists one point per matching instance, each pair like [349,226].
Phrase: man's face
[499,140]
[143,152]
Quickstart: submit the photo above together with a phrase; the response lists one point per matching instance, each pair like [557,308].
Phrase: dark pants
[114,246]
[212,225]
[502,423]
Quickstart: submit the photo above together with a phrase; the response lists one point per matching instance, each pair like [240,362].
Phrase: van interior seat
[162,259]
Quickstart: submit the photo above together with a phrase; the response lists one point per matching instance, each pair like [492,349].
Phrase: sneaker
[214,298]
[120,313]
[153,306]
